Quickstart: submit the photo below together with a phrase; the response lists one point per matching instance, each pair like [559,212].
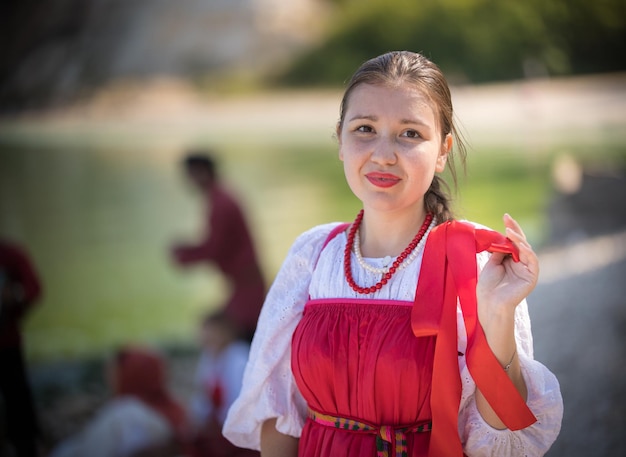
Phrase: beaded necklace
[388,273]
[388,259]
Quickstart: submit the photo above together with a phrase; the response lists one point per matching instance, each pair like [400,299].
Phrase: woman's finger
[527,255]
[516,237]
[511,223]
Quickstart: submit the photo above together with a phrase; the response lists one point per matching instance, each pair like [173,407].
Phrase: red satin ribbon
[449,272]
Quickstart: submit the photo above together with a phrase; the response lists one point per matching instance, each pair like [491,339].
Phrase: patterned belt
[386,436]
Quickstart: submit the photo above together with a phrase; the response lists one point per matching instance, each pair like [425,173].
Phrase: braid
[436,200]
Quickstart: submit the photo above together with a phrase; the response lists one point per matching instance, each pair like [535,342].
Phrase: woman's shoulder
[320,231]
[314,238]
[302,258]
[476,225]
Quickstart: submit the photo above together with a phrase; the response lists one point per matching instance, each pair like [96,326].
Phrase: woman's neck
[389,233]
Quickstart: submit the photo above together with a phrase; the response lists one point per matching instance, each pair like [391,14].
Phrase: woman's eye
[364,129]
[411,134]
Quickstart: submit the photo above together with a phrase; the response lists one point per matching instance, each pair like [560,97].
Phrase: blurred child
[218,381]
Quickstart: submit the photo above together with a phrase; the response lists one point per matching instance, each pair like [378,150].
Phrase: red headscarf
[140,373]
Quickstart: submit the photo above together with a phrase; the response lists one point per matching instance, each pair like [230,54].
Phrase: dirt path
[579,323]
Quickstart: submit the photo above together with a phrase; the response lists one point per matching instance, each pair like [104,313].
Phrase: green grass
[500,182]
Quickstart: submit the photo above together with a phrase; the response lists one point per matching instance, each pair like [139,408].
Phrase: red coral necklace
[347,258]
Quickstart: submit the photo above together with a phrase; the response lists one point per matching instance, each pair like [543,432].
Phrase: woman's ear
[338,136]
[442,158]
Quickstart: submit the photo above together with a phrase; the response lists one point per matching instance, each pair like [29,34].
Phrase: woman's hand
[504,283]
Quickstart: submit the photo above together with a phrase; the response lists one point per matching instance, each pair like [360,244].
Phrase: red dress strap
[449,273]
[333,233]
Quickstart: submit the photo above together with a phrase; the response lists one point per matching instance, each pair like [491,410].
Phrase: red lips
[382,179]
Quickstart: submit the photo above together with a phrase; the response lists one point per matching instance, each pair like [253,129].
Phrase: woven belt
[387,437]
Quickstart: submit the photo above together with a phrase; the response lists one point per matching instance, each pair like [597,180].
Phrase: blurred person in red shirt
[19,291]
[227,243]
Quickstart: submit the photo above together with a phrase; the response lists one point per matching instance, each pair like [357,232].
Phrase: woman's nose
[384,151]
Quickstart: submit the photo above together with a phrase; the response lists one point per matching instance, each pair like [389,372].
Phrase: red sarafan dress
[359,359]
[372,360]
[365,367]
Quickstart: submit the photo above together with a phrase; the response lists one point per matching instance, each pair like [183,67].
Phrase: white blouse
[269,389]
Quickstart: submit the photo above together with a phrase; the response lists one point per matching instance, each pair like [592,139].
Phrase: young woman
[376,337]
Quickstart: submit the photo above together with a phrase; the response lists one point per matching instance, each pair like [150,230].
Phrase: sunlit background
[100,99]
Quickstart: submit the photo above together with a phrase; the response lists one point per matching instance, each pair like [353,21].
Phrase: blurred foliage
[471,40]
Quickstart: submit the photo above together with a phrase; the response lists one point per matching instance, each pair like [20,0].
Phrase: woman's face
[391,146]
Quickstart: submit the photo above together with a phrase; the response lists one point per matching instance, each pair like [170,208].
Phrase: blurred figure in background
[141,420]
[227,243]
[217,384]
[19,290]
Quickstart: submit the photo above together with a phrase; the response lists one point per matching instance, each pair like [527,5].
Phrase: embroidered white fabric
[269,389]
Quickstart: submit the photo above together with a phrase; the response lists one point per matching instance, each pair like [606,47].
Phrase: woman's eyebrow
[373,118]
[369,117]
[414,122]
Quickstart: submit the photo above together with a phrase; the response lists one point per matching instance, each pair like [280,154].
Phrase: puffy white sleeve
[544,400]
[269,389]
